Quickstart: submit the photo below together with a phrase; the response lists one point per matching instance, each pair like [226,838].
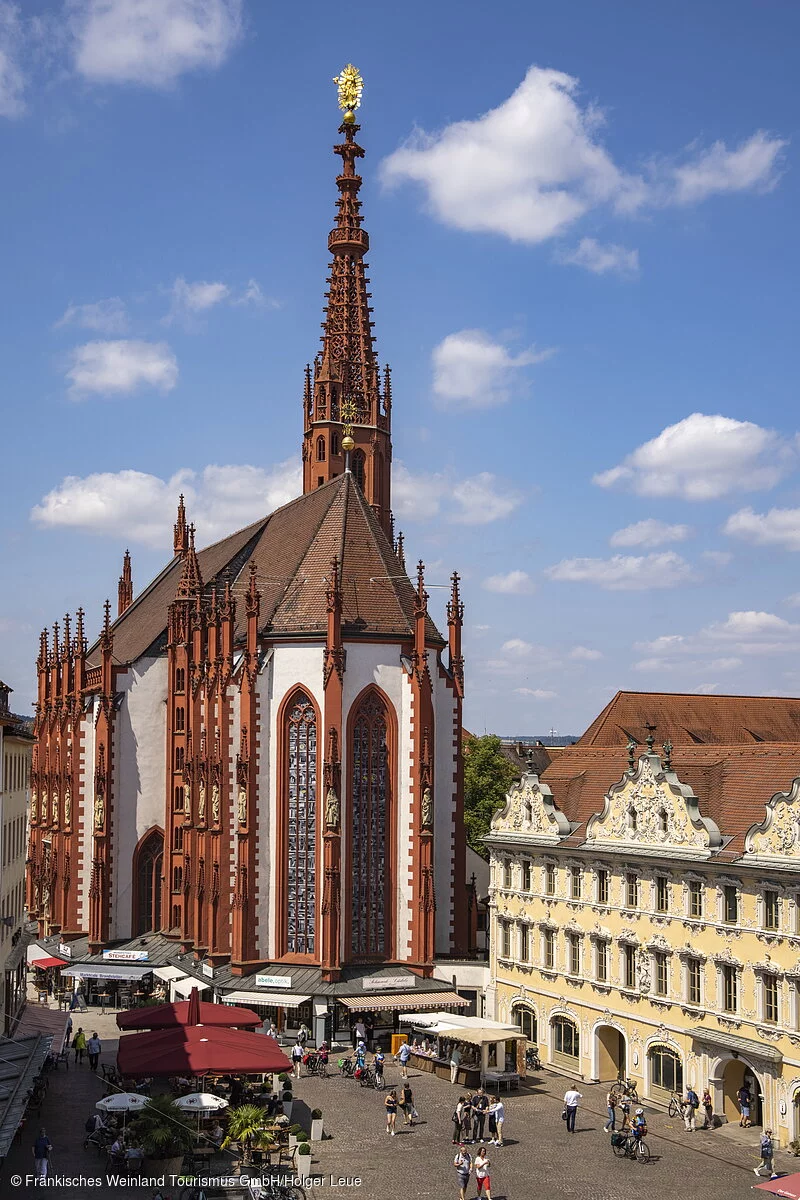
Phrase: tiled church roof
[292,550]
[694,720]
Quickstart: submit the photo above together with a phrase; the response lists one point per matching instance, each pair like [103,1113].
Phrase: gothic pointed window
[149,860]
[370,806]
[320,449]
[358,468]
[301,825]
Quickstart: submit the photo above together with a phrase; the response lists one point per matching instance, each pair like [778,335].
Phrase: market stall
[489,1054]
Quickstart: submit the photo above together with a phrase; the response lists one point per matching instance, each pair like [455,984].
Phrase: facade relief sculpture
[778,836]
[530,810]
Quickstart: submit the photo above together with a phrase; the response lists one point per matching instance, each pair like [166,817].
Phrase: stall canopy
[475,1030]
[20,1063]
[198,1050]
[368,1003]
[787,1186]
[167,973]
[37,957]
[167,1016]
[109,970]
[273,999]
[184,987]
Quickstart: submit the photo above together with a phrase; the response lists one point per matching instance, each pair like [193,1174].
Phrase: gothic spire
[180,541]
[191,581]
[125,585]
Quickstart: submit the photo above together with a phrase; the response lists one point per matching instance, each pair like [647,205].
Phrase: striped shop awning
[435,1000]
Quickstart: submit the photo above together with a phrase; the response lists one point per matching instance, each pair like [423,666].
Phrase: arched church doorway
[610,1056]
[147,866]
[735,1075]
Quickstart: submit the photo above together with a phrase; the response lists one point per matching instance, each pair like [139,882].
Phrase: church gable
[530,814]
[777,838]
[652,811]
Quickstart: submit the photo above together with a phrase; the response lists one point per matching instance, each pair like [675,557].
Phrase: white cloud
[649,533]
[189,301]
[778,527]
[794,600]
[12,77]
[530,168]
[106,316]
[141,507]
[513,583]
[200,296]
[706,689]
[471,370]
[600,259]
[120,367]
[584,654]
[534,693]
[702,458]
[626,573]
[753,166]
[151,42]
[252,294]
[474,500]
[717,558]
[517,646]
[722,644]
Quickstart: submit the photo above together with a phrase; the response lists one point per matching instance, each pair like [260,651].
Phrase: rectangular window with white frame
[695,899]
[549,879]
[730,904]
[575,884]
[631,890]
[770,998]
[524,943]
[601,961]
[694,981]
[602,885]
[662,894]
[505,939]
[730,988]
[574,954]
[548,949]
[527,872]
[629,966]
[507,877]
[771,910]
[661,972]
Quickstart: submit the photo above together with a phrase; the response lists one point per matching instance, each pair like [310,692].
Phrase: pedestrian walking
[297,1057]
[79,1045]
[624,1106]
[303,1034]
[94,1048]
[390,1104]
[68,1031]
[708,1106]
[457,1121]
[272,1031]
[463,1165]
[455,1063]
[403,1056]
[691,1103]
[407,1104]
[378,1064]
[482,1178]
[572,1098]
[42,1148]
[745,1100]
[767,1151]
[359,1032]
[480,1107]
[497,1112]
[611,1108]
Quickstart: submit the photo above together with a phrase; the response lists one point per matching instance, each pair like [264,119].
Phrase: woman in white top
[482,1179]
[498,1111]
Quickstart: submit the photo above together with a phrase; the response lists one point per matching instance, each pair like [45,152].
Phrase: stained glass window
[302,827]
[370,795]
[148,883]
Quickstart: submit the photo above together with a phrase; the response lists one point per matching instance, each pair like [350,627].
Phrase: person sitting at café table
[217,1135]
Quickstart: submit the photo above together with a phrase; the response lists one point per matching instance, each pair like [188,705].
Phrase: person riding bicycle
[639,1124]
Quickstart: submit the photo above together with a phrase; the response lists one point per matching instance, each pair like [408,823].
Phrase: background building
[16,742]
[645,905]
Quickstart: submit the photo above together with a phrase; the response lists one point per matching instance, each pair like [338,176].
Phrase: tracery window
[371,788]
[358,468]
[320,449]
[149,860]
[301,892]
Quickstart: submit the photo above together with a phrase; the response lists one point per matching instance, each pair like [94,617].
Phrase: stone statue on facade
[55,806]
[215,803]
[67,807]
[242,804]
[427,808]
[201,801]
[99,811]
[332,809]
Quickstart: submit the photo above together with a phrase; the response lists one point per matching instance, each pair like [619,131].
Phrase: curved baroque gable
[530,812]
[778,835]
[653,811]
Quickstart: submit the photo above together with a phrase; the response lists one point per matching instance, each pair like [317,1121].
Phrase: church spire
[346,377]
[180,541]
[191,580]
[125,585]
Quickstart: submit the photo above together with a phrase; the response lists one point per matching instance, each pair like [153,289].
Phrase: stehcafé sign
[125,955]
[372,983]
[274,981]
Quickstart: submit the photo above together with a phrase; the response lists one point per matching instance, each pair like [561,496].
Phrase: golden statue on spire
[349,412]
[350,84]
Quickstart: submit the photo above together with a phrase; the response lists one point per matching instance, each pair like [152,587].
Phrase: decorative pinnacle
[350,85]
[631,752]
[667,748]
[650,739]
[400,550]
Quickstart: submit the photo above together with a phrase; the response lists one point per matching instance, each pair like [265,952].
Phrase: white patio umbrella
[200,1102]
[123,1102]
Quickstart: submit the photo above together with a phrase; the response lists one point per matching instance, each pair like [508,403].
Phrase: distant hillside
[546,739]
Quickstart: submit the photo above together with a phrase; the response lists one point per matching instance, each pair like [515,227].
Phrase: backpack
[89,1126]
[693,1101]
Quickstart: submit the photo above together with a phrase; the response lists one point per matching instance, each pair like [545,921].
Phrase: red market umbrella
[787,1187]
[198,1050]
[169,1016]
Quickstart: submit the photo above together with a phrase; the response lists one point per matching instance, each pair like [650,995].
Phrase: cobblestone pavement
[539,1160]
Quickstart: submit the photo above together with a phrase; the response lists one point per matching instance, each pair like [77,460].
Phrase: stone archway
[609,1053]
[734,1073]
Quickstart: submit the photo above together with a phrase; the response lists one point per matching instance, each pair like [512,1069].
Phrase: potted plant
[794,1147]
[165,1134]
[316,1125]
[245,1123]
[302,1158]
[294,1130]
[287,1103]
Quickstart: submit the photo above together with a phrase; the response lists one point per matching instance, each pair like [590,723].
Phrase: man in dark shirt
[480,1106]
[41,1153]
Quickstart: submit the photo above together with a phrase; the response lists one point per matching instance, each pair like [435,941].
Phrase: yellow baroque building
[645,904]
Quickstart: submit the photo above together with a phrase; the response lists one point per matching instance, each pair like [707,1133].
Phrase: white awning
[168,973]
[183,987]
[320,1008]
[107,971]
[366,1002]
[272,999]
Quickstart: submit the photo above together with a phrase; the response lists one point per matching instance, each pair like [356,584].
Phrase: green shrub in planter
[283,1077]
[287,1096]
[295,1128]
[316,1114]
[302,1136]
[304,1149]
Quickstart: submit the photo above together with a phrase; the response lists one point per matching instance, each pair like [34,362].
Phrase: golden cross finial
[350,85]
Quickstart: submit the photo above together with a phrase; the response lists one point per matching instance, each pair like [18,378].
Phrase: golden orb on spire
[350,85]
[348,443]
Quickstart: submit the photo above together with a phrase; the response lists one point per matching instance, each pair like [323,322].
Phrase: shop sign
[386,982]
[274,981]
[64,950]
[125,955]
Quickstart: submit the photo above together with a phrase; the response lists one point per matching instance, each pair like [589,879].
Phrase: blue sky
[584,264]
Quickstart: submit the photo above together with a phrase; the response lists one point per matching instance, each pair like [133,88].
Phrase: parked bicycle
[368,1078]
[532,1060]
[316,1066]
[625,1145]
[347,1067]
[675,1105]
[625,1087]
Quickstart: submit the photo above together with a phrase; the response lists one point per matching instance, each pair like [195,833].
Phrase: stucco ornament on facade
[778,835]
[530,812]
[654,812]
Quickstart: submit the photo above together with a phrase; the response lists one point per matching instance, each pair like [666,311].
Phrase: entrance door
[735,1074]
[610,1053]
